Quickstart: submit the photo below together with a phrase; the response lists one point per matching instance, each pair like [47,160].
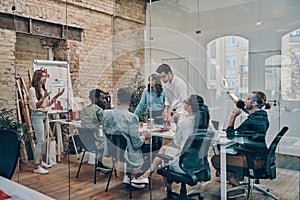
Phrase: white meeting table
[58,123]
[224,143]
[168,134]
[18,191]
[57,129]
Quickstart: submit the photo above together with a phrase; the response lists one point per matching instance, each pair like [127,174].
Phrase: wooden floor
[57,184]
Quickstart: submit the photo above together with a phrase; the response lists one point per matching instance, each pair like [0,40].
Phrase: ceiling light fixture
[259,22]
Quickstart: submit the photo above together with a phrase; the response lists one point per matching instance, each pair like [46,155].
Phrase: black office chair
[194,162]
[9,152]
[88,145]
[268,171]
[216,125]
[116,146]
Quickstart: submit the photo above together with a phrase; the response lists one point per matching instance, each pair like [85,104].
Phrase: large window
[230,61]
[213,50]
[232,64]
[213,72]
[231,41]
[290,73]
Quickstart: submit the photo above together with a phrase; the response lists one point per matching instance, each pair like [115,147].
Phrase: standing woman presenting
[39,101]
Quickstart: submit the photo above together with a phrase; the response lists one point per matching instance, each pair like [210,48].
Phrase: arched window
[272,72]
[227,57]
[290,71]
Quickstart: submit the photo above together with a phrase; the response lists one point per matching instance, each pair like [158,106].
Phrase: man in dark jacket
[256,123]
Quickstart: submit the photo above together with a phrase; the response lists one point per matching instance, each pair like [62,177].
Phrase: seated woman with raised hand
[197,118]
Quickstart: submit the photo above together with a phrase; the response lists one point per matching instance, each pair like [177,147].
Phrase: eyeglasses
[184,101]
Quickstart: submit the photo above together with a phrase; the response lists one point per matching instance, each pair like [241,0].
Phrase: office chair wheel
[200,197]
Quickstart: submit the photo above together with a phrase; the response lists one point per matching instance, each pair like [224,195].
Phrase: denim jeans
[40,124]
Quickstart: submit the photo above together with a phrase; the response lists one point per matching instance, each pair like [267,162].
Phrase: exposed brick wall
[128,51]
[124,9]
[90,59]
[7,69]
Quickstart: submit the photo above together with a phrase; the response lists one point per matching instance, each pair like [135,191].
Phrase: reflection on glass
[290,72]
[228,58]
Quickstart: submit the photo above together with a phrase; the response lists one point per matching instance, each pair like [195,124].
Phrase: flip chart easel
[58,77]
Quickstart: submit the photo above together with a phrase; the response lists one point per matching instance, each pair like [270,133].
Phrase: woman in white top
[39,101]
[197,118]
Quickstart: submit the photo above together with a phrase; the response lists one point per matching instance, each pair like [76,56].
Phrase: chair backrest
[195,151]
[116,145]
[9,152]
[87,138]
[271,158]
[216,124]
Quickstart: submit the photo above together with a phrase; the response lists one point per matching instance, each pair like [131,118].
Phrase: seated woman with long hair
[197,118]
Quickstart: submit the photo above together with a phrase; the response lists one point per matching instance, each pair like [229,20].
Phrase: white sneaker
[140,181]
[103,170]
[45,165]
[139,186]
[126,180]
[40,170]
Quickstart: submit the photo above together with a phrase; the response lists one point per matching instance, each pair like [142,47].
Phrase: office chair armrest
[192,176]
[164,157]
[258,137]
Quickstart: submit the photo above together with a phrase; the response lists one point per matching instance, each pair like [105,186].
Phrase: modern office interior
[111,44]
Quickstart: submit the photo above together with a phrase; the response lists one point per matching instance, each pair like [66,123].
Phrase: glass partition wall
[113,44]
[253,45]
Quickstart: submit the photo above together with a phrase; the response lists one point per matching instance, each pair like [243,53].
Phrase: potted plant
[137,87]
[8,120]
[134,101]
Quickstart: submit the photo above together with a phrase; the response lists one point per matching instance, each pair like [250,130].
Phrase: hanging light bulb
[259,22]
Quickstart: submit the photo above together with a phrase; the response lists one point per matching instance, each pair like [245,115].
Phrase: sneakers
[140,181]
[103,170]
[126,180]
[40,170]
[45,166]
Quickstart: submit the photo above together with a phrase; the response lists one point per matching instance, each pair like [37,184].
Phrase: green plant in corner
[8,120]
[135,99]
[137,87]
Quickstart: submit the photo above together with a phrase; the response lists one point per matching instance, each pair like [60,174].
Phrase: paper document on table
[226,141]
[160,131]
[3,195]
[231,151]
